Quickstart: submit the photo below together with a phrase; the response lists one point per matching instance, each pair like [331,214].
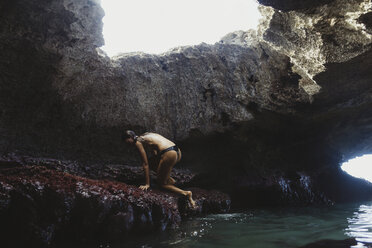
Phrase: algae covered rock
[49,206]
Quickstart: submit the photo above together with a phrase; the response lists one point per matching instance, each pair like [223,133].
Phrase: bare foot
[189,195]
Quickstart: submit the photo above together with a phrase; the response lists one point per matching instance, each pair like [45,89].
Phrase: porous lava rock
[43,207]
[115,172]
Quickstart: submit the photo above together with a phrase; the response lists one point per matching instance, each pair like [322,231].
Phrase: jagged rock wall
[199,89]
[330,46]
[293,96]
[329,33]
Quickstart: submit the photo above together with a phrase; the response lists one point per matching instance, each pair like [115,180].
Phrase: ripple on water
[271,228]
[360,226]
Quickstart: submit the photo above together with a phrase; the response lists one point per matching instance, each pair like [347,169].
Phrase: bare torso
[155,141]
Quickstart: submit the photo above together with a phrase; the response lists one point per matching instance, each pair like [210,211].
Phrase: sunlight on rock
[360,167]
[157,26]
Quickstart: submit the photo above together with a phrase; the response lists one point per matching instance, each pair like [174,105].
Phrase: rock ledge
[48,206]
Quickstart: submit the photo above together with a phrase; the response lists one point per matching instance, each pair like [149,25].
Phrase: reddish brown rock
[48,206]
[116,172]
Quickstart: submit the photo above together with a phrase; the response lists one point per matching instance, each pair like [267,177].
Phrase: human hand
[144,187]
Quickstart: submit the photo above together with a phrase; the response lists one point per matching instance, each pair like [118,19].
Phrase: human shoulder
[145,137]
[152,138]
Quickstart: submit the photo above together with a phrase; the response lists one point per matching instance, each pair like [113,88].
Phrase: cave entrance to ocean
[360,167]
[157,26]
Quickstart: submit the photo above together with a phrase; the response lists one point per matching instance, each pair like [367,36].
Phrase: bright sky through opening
[359,167]
[155,26]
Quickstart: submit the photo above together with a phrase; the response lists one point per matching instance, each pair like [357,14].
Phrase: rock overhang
[283,93]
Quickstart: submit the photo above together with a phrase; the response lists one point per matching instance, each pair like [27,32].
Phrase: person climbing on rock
[169,155]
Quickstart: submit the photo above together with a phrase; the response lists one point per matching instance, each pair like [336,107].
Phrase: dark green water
[269,228]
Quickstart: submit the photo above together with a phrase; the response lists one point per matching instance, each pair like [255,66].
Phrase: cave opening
[157,26]
[360,167]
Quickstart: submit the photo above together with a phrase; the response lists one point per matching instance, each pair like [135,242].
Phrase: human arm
[145,165]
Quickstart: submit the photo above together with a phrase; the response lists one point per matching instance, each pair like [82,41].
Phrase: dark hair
[129,134]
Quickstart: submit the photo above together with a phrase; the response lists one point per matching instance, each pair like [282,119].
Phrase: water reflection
[360,226]
[269,228]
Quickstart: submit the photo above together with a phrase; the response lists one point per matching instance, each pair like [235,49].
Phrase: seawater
[268,228]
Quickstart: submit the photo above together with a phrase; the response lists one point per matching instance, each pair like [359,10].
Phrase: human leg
[166,164]
[173,188]
[171,181]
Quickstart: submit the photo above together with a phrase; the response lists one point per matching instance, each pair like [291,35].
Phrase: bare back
[155,141]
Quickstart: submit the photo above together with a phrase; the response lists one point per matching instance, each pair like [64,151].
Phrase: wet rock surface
[275,188]
[252,189]
[49,206]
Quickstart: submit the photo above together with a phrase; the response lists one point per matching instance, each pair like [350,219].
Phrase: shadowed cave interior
[264,117]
